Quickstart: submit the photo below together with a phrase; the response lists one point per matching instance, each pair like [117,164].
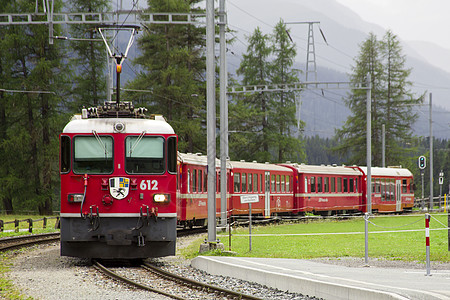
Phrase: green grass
[284,242]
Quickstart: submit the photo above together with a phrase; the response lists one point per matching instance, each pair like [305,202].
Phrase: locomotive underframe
[111,238]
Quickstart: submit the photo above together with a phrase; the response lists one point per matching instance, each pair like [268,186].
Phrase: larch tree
[391,103]
[250,114]
[398,114]
[283,102]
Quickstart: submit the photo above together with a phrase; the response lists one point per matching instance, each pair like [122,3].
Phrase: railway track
[151,278]
[15,242]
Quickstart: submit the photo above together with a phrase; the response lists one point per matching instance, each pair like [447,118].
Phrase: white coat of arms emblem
[119,187]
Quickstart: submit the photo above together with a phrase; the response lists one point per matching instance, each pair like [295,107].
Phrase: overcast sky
[425,20]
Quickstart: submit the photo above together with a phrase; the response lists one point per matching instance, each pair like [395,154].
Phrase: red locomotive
[118,184]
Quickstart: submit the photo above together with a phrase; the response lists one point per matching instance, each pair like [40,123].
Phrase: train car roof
[323,169]
[199,159]
[257,166]
[390,171]
[107,125]
[196,159]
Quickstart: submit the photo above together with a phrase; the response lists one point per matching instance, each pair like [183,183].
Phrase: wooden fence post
[30,225]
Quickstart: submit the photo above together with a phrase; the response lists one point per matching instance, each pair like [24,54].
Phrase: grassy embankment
[297,240]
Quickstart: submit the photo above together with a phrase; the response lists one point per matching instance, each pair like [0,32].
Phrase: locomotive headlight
[161,198]
[75,198]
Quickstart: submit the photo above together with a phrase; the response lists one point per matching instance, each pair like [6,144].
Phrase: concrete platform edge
[284,282]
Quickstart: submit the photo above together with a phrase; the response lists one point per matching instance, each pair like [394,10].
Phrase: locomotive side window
[339,184]
[172,154]
[65,154]
[405,186]
[144,155]
[333,184]
[93,155]
[250,182]
[345,185]
[351,185]
[255,182]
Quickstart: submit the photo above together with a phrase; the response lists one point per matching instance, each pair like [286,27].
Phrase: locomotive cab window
[93,155]
[144,155]
[65,154]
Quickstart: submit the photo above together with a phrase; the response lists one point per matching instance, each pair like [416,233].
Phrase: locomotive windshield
[93,154]
[144,155]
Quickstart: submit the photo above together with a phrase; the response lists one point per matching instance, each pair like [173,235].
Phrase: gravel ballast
[42,273]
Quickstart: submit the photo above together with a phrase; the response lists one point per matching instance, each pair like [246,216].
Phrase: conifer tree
[31,120]
[266,118]
[89,60]
[173,65]
[391,103]
[399,99]
[250,114]
[289,148]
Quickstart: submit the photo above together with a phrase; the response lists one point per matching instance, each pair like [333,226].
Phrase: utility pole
[369,165]
[211,121]
[223,116]
[431,154]
[383,146]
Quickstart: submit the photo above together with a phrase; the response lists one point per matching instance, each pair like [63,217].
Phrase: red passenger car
[326,190]
[392,189]
[118,184]
[192,194]
[271,183]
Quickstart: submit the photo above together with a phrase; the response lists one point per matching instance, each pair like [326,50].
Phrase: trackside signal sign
[422,162]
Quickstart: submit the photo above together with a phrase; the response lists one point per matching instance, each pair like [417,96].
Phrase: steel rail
[27,240]
[197,284]
[116,276]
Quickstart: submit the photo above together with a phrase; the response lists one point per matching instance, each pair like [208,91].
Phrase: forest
[42,85]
